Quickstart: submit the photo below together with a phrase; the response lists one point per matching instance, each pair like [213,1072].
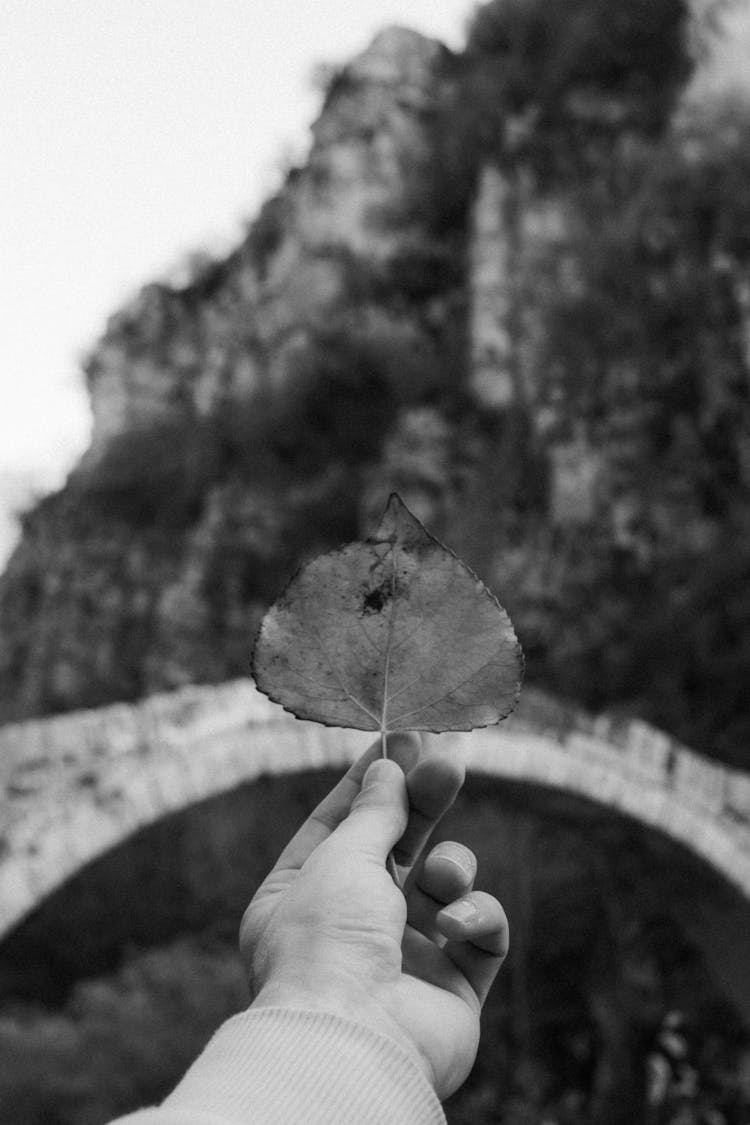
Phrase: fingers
[470,926]
[335,807]
[446,874]
[478,918]
[478,938]
[433,784]
[379,813]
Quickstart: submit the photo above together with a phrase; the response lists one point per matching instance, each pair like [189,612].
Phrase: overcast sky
[133,132]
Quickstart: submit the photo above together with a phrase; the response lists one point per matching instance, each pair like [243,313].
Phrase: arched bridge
[73,786]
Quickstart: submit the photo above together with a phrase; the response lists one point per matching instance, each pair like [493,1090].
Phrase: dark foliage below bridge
[114,985]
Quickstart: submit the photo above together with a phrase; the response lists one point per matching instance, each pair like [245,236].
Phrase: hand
[329,930]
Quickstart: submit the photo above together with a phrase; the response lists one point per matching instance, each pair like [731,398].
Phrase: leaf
[393,633]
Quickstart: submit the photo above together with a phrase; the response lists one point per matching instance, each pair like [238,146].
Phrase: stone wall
[76,785]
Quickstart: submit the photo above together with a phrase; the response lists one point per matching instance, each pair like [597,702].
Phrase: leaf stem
[390,863]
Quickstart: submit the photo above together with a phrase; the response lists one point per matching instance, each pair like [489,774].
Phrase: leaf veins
[395,619]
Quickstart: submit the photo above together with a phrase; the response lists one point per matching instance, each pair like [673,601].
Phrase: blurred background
[264,264]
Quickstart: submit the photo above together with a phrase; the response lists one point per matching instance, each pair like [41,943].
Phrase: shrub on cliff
[552,85]
[156,474]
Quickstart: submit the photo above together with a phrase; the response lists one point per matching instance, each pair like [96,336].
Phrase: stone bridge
[76,785]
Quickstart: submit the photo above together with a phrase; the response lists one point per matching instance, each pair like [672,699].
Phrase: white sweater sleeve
[278,1066]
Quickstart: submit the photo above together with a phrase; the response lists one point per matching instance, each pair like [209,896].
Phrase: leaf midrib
[389,644]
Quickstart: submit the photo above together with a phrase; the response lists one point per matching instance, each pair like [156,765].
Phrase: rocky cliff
[243,323]
[511,285]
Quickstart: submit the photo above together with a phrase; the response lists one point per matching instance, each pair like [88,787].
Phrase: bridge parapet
[57,751]
[72,786]
[642,749]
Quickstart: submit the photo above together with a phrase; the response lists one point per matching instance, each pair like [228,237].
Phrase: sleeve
[280,1066]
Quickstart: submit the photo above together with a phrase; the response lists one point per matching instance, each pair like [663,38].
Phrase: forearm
[272,1066]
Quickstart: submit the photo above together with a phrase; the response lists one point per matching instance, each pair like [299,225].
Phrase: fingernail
[463,911]
[461,858]
[464,870]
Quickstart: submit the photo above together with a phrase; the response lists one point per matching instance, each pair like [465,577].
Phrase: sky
[134,132]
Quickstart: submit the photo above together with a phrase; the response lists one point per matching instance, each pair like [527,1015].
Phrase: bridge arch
[77,785]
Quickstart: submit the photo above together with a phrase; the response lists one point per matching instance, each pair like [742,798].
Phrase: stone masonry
[76,785]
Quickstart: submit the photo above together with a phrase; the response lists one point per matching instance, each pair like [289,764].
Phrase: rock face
[242,322]
[548,359]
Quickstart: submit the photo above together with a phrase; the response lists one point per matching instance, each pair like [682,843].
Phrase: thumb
[380,812]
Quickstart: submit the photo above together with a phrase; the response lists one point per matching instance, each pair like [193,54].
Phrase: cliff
[243,323]
[512,286]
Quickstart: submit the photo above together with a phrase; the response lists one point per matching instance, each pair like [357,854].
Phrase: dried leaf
[393,633]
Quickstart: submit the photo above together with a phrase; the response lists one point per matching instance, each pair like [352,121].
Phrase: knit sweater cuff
[280,1066]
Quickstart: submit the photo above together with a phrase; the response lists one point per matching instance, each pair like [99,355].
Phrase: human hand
[329,930]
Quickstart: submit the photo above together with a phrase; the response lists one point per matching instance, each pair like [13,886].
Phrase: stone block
[592,749]
[17,894]
[119,730]
[86,832]
[737,797]
[174,782]
[171,717]
[65,739]
[700,781]
[647,750]
[144,795]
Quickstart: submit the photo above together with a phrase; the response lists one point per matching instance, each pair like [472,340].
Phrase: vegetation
[553,86]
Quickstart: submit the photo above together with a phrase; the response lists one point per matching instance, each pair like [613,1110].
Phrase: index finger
[402,747]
